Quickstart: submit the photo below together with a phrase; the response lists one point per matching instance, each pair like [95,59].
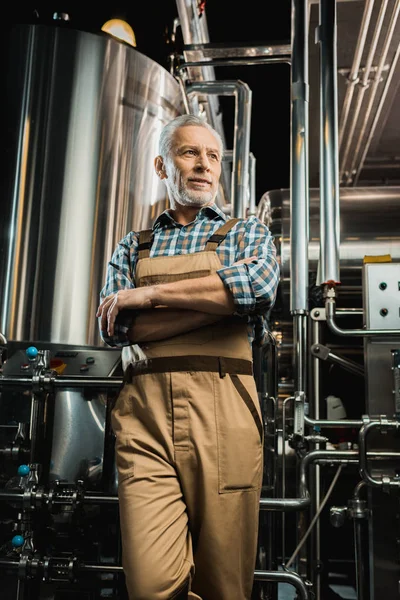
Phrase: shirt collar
[212,212]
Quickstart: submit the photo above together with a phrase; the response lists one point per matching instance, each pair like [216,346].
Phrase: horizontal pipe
[236,62]
[93,568]
[333,456]
[272,576]
[330,308]
[333,423]
[62,382]
[216,51]
[289,577]
[11,496]
[284,504]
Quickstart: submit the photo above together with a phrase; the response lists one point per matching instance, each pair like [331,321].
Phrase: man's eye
[213,156]
[190,152]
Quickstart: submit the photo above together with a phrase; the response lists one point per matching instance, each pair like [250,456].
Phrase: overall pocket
[239,434]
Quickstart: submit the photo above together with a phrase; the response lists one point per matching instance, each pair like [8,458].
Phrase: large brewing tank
[84,114]
[369,225]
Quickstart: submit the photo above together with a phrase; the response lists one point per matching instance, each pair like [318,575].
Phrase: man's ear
[160,167]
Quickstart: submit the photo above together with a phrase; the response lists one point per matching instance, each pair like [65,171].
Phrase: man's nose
[203,162]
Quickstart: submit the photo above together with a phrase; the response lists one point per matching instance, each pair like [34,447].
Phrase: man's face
[194,166]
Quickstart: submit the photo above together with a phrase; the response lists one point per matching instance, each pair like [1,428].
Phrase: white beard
[179,193]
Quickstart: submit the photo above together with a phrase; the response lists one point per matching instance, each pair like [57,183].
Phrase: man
[188,427]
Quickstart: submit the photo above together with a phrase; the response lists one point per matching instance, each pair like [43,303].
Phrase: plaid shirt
[253,286]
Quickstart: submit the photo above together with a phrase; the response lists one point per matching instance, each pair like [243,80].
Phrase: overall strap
[220,235]
[145,243]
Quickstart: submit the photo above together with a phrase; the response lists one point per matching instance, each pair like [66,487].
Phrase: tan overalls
[189,440]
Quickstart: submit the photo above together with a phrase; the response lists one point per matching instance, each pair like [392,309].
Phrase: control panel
[382,295]
[66,361]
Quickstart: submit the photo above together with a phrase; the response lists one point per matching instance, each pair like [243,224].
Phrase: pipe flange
[358,509]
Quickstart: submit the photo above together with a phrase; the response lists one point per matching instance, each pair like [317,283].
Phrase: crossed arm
[181,306]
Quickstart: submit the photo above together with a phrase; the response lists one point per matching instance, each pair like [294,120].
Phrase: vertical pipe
[241,146]
[316,493]
[252,186]
[329,161]
[283,519]
[359,546]
[299,191]
[195,31]
[241,150]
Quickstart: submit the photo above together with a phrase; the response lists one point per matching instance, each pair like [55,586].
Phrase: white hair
[165,143]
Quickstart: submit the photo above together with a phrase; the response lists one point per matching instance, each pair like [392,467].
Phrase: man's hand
[137,299]
[134,299]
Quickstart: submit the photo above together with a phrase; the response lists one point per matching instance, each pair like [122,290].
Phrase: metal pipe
[359,545]
[304,500]
[241,145]
[329,161]
[300,370]
[207,52]
[347,364]
[330,306]
[357,490]
[330,456]
[320,352]
[299,190]
[237,62]
[376,118]
[376,82]
[10,496]
[103,568]
[315,332]
[353,77]
[363,85]
[386,481]
[289,577]
[333,424]
[252,185]
[284,473]
[274,576]
[63,382]
[194,29]
[3,339]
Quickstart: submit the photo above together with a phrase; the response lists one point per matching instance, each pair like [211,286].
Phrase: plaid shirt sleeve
[120,277]
[254,285]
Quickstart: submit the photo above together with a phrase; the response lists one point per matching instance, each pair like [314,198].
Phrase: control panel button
[84,368]
[31,352]
[90,360]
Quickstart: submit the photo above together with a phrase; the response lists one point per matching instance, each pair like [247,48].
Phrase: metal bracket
[318,314]
[298,426]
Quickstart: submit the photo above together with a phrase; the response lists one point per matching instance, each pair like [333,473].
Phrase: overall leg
[156,545]
[221,479]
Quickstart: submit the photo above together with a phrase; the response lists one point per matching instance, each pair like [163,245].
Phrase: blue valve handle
[23,470]
[17,541]
[32,352]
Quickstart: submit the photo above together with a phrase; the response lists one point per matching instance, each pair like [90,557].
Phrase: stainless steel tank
[84,113]
[369,225]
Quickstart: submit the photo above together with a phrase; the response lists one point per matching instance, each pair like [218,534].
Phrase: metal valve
[338,515]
